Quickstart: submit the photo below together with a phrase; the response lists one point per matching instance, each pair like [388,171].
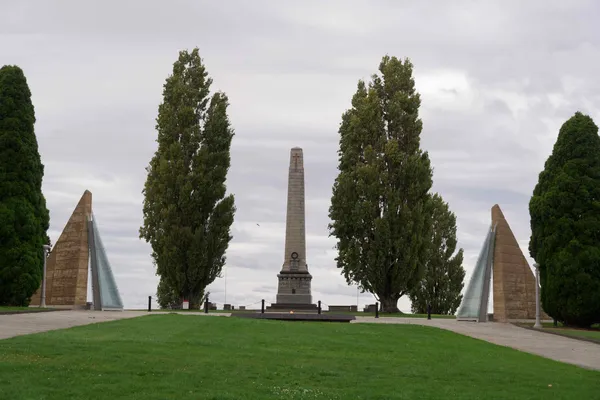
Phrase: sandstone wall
[513,279]
[67,265]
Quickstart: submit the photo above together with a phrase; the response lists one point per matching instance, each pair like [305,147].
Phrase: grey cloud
[498,107]
[497,80]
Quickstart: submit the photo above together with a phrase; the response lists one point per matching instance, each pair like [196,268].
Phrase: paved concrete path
[24,324]
[559,348]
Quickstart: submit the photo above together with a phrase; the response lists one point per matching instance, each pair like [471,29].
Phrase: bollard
[377,310]
[555,322]
[319,307]
[149,303]
[428,311]
[262,306]
[206,305]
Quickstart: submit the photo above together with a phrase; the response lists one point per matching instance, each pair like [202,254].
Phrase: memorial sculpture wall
[513,281]
[78,250]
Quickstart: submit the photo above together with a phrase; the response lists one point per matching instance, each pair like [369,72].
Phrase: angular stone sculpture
[68,264]
[513,280]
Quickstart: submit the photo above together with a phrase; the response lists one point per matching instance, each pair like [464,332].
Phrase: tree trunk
[389,304]
[195,300]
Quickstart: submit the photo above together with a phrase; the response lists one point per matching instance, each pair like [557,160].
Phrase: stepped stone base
[294,287]
[298,317]
[292,307]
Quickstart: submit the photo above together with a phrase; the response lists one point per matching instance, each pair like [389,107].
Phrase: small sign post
[186,305]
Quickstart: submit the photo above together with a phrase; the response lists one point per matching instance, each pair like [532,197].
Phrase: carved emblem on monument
[294,262]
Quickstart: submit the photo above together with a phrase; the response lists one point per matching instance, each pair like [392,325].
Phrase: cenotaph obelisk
[294,292]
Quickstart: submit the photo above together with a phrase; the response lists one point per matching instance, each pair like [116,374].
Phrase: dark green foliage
[169,298]
[24,218]
[187,215]
[166,296]
[381,208]
[442,281]
[565,225]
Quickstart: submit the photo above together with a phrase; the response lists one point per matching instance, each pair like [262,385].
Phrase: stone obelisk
[294,279]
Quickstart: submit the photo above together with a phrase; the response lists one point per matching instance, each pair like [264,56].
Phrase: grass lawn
[17,310]
[3,308]
[593,333]
[191,357]
[590,334]
[358,314]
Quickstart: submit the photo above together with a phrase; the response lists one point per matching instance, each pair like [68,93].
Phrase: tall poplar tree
[565,225]
[187,213]
[444,274]
[24,218]
[381,206]
[166,297]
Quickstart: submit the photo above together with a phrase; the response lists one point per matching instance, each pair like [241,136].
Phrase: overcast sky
[497,79]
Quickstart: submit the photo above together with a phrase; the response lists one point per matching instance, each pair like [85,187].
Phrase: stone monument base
[292,307]
[304,316]
[294,287]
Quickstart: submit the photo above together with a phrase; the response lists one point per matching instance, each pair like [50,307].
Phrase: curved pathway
[559,348]
[24,324]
